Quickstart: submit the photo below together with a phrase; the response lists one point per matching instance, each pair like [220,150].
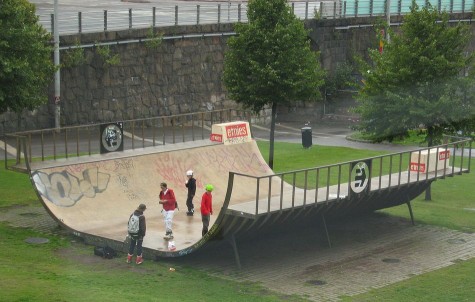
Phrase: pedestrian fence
[36,146]
[229,12]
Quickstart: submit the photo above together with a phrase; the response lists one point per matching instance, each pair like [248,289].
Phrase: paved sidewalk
[367,252]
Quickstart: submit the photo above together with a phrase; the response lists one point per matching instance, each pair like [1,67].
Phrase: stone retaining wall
[183,74]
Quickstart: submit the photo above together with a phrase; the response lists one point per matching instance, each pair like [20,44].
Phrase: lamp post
[57,78]
[388,18]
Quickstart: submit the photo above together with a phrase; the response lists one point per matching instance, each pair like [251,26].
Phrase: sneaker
[139,260]
[168,236]
[189,213]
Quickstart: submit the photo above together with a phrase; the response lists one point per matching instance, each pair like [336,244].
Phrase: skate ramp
[94,199]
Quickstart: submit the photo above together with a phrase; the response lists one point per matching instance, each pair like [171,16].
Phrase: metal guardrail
[228,12]
[76,141]
[325,183]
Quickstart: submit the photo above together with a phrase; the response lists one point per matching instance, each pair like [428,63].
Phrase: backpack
[105,252]
[134,225]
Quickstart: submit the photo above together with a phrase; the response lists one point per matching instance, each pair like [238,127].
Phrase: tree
[26,66]
[270,62]
[423,78]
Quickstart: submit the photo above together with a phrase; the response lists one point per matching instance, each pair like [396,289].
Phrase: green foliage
[317,14]
[451,283]
[153,39]
[422,78]
[26,67]
[106,54]
[270,60]
[341,79]
[73,56]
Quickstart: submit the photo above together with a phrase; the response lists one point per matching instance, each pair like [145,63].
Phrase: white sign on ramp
[231,133]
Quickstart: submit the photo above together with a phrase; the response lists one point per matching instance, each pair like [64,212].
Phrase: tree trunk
[271,139]
[430,142]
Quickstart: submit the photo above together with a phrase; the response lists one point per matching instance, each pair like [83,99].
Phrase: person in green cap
[206,208]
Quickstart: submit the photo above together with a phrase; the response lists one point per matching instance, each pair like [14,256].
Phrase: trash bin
[306,137]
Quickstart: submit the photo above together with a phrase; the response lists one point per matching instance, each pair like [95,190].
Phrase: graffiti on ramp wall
[65,190]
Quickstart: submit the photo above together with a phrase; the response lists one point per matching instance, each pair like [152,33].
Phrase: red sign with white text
[216,137]
[444,155]
[238,130]
[415,167]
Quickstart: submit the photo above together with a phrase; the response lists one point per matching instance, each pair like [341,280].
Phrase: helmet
[209,187]
[189,173]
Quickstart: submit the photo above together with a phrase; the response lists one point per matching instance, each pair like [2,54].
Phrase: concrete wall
[182,75]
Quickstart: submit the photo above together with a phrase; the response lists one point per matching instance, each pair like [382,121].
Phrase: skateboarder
[191,185]
[206,208]
[168,200]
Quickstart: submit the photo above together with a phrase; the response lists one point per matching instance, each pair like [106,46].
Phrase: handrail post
[316,186]
[154,16]
[197,14]
[202,125]
[66,143]
[52,24]
[219,13]
[133,134]
[269,193]
[6,156]
[89,140]
[80,22]
[77,142]
[29,145]
[390,169]
[163,134]
[105,20]
[143,133]
[172,122]
[239,12]
[306,10]
[305,188]
[130,18]
[54,144]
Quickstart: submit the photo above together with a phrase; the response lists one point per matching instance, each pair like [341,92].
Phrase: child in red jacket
[206,208]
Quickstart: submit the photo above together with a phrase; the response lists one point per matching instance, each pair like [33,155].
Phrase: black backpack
[105,252]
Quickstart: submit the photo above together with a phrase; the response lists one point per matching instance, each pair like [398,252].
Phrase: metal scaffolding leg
[232,240]
[326,231]
[410,211]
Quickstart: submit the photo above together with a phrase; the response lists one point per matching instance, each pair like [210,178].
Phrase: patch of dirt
[83,254]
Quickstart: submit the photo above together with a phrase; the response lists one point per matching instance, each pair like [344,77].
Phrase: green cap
[209,187]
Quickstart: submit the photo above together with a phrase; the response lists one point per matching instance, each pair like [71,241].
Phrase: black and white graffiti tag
[64,189]
[359,177]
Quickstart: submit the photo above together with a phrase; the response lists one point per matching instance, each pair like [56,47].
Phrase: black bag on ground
[105,252]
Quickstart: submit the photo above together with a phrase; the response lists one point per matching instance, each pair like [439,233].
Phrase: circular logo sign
[111,137]
[359,177]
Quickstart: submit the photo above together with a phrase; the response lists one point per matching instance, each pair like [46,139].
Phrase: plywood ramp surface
[98,197]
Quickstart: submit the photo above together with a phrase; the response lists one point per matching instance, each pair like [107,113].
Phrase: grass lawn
[65,271]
